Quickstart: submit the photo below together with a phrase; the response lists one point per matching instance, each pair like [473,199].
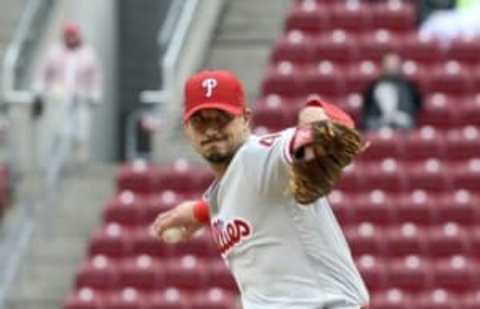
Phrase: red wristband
[201,211]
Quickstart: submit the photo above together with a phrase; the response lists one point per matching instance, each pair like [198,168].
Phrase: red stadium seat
[351,179]
[127,298]
[274,118]
[360,76]
[142,273]
[373,271]
[179,177]
[385,143]
[375,207]
[201,245]
[84,298]
[392,298]
[351,16]
[417,207]
[463,144]
[98,273]
[112,241]
[387,176]
[159,203]
[125,209]
[437,113]
[448,239]
[470,300]
[336,46]
[451,78]
[365,239]
[187,273]
[170,298]
[341,204]
[144,244]
[138,177]
[435,299]
[430,175]
[469,111]
[467,175]
[465,50]
[394,16]
[406,239]
[283,79]
[411,273]
[323,80]
[420,49]
[309,17]
[294,47]
[423,144]
[457,273]
[459,207]
[418,75]
[220,276]
[375,45]
[214,299]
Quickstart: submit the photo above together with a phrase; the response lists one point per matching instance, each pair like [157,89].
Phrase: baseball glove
[334,147]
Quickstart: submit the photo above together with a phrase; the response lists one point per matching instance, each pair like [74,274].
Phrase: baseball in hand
[173,235]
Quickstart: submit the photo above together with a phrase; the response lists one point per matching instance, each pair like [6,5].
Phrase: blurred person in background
[70,84]
[391,100]
[461,20]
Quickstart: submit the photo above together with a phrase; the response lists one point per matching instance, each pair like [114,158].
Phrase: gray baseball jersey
[282,254]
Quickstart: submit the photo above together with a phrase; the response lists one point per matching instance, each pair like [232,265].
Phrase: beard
[218,158]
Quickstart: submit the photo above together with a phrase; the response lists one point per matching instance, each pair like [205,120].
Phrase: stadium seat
[474,237]
[359,76]
[447,239]
[388,175]
[85,298]
[459,207]
[283,79]
[393,15]
[336,46]
[467,175]
[437,112]
[201,245]
[373,271]
[142,273]
[98,273]
[393,298]
[350,16]
[351,179]
[112,241]
[178,177]
[430,175]
[375,207]
[158,203]
[465,50]
[384,143]
[411,273]
[469,111]
[309,17]
[213,298]
[421,49]
[125,209]
[341,204]
[435,299]
[144,244]
[294,47]
[127,298]
[324,80]
[416,207]
[139,177]
[274,118]
[463,144]
[457,273]
[170,298]
[375,45]
[365,238]
[405,239]
[220,276]
[424,143]
[451,78]
[186,273]
[470,300]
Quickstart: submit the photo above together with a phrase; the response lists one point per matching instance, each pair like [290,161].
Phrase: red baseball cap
[214,89]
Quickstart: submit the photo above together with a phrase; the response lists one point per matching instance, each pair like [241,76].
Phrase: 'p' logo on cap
[209,84]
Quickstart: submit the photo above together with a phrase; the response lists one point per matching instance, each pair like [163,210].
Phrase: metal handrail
[167,65]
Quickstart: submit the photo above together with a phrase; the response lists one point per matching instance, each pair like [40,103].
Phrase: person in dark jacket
[391,100]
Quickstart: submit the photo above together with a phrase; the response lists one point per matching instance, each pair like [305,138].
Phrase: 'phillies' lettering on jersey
[228,235]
